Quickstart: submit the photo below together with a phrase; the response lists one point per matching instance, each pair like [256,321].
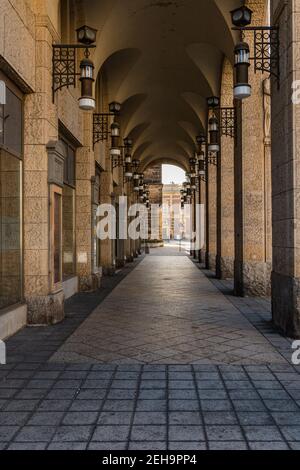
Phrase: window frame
[16,91]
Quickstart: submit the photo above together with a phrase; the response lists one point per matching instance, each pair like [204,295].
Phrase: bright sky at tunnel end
[172,174]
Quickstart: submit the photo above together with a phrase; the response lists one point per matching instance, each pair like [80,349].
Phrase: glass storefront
[10,197]
[10,230]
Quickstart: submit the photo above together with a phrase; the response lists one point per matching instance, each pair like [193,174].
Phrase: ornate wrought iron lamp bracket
[101,129]
[64,65]
[266,49]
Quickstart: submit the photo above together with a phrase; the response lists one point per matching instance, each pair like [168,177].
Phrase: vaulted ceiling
[161,59]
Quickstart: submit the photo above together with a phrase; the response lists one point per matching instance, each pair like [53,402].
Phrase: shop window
[11,123]
[96,202]
[69,268]
[56,235]
[10,230]
[10,196]
[68,211]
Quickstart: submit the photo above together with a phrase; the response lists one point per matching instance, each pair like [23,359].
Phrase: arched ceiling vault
[161,59]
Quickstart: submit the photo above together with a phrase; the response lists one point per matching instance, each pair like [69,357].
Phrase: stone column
[211,208]
[41,127]
[108,261]
[202,192]
[252,266]
[285,172]
[225,220]
[85,170]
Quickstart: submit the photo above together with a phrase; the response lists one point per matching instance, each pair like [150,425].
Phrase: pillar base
[120,263]
[109,270]
[46,310]
[286,304]
[210,261]
[224,267]
[252,279]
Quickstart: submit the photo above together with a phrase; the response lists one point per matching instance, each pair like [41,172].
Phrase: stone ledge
[12,320]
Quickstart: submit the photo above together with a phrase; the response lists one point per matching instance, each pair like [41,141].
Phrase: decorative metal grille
[212,158]
[64,67]
[228,121]
[266,51]
[100,127]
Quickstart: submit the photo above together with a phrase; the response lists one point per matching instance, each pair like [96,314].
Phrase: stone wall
[285,173]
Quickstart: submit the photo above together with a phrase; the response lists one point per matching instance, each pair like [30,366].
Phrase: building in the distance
[173,224]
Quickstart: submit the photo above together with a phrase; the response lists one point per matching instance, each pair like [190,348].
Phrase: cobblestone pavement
[196,369]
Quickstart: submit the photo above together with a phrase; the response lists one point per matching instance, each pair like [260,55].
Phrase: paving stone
[72,433]
[219,417]
[35,434]
[119,405]
[224,433]
[67,446]
[216,405]
[268,446]
[7,433]
[153,394]
[287,418]
[183,405]
[122,394]
[149,418]
[86,405]
[108,446]
[153,405]
[183,394]
[248,405]
[106,433]
[112,417]
[124,384]
[186,446]
[262,433]
[27,446]
[148,433]
[231,445]
[212,394]
[43,418]
[291,433]
[186,433]
[149,446]
[184,418]
[281,405]
[12,418]
[254,418]
[80,418]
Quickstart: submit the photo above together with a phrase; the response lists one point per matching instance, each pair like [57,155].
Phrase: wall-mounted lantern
[101,122]
[213,129]
[136,182]
[242,89]
[225,120]
[266,51]
[65,71]
[200,155]
[128,173]
[115,150]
